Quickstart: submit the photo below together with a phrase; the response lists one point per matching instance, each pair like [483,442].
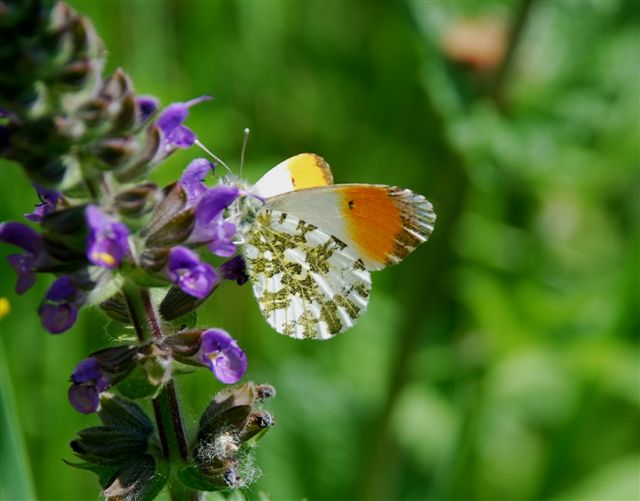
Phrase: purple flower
[193,177]
[34,255]
[147,106]
[48,202]
[107,241]
[221,353]
[103,369]
[191,275]
[89,380]
[170,123]
[59,309]
[234,269]
[210,226]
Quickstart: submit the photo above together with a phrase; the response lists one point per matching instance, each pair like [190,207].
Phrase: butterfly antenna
[245,139]
[204,148]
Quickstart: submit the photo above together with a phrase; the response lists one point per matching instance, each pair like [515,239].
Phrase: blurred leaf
[15,475]
[617,481]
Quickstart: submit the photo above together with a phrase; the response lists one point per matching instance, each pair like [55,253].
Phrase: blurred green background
[500,361]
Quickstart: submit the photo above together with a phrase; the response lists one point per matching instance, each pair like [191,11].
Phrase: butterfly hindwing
[308,283]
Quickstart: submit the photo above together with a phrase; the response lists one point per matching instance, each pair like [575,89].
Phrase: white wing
[309,284]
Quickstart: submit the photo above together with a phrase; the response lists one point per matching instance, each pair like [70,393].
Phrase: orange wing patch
[309,170]
[386,223]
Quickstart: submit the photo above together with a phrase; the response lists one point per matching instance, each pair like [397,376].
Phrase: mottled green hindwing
[309,284]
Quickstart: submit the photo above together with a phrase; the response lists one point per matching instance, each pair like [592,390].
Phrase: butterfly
[310,245]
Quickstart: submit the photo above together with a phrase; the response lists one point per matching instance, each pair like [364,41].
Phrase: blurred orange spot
[479,43]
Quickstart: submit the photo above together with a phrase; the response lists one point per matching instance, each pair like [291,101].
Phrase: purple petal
[222,242]
[107,242]
[21,235]
[49,201]
[87,370]
[174,115]
[191,275]
[147,105]
[193,177]
[23,264]
[213,340]
[181,137]
[221,353]
[209,225]
[84,398]
[230,365]
[59,310]
[234,269]
[62,289]
[215,201]
[58,318]
[171,117]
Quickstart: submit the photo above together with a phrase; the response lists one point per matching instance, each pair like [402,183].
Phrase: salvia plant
[115,240]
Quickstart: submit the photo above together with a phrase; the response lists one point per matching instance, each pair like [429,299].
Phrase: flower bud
[137,201]
[175,231]
[174,200]
[85,39]
[144,161]
[116,308]
[177,303]
[76,74]
[114,152]
[232,407]
[154,259]
[257,422]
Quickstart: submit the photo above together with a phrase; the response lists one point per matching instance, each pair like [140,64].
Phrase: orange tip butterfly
[310,245]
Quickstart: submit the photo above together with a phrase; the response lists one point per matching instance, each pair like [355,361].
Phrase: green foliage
[500,360]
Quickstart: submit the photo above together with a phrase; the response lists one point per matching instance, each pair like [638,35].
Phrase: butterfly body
[310,245]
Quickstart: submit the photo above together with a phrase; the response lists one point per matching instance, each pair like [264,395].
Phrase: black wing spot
[351,204]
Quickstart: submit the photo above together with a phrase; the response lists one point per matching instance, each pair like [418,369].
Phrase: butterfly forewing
[305,170]
[308,282]
[381,224]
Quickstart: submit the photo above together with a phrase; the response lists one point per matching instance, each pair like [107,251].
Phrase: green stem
[166,406]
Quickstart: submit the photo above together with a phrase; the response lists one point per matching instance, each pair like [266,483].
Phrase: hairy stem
[166,406]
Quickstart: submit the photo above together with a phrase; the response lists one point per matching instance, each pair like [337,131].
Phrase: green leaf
[105,472]
[15,478]
[121,413]
[109,446]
